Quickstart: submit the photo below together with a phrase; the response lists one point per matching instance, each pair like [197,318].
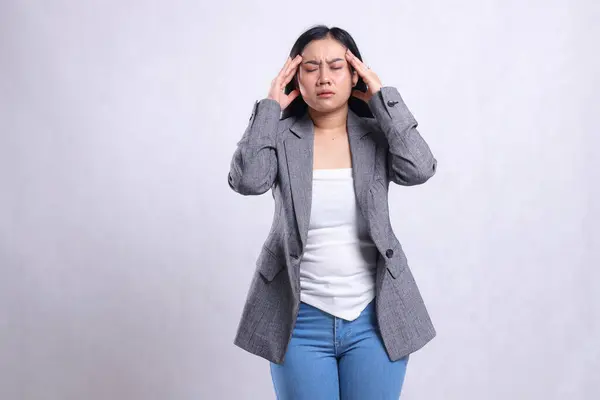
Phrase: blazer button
[392,103]
[389,253]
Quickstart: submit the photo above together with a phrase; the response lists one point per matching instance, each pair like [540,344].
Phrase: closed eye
[313,70]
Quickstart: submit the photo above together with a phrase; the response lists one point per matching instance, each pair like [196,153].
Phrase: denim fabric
[330,358]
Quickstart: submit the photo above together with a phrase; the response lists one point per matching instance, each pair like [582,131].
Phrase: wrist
[375,89]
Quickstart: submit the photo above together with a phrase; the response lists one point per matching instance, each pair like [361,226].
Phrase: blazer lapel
[299,157]
[363,157]
[299,151]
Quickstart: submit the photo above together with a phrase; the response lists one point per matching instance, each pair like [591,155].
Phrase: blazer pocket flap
[268,264]
[396,268]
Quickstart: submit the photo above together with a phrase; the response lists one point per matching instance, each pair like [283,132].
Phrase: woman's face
[325,80]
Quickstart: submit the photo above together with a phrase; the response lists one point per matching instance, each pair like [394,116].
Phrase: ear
[354,78]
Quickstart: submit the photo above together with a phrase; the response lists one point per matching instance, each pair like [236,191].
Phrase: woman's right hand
[283,78]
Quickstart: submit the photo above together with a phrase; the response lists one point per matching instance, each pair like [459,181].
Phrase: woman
[333,304]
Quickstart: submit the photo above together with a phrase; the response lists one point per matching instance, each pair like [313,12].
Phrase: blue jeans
[330,358]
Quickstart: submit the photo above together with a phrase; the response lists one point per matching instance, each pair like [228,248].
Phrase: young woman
[333,304]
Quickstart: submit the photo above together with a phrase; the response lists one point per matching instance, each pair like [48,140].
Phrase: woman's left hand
[369,77]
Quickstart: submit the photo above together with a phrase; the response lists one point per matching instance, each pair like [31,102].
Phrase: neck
[329,122]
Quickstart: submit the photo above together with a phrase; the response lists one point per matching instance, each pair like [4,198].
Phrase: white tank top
[337,270]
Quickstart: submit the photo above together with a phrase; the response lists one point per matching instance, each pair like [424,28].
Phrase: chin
[326,106]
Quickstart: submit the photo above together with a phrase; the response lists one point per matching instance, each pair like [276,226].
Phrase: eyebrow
[319,62]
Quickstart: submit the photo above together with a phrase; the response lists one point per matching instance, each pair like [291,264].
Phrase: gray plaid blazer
[278,155]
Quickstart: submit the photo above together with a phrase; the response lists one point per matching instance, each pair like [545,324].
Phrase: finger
[281,75]
[356,63]
[360,67]
[293,65]
[291,72]
[351,57]
[289,77]
[284,80]
[287,62]
[292,95]
[352,60]
[287,100]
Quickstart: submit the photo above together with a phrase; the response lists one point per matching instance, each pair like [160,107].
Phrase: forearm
[254,163]
[410,161]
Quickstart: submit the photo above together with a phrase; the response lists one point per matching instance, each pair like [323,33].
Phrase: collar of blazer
[303,126]
[299,156]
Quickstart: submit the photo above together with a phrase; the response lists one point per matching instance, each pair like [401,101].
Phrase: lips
[325,94]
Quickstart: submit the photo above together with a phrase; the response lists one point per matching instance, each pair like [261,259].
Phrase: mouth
[325,94]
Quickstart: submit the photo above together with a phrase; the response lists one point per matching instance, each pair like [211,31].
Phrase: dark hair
[298,107]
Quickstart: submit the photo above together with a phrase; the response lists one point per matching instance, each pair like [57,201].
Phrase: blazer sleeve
[253,168]
[410,161]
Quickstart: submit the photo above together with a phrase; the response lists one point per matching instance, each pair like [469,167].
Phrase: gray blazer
[278,155]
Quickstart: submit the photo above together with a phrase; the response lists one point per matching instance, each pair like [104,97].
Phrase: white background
[125,258]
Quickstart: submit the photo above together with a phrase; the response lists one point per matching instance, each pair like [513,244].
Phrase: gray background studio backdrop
[125,258]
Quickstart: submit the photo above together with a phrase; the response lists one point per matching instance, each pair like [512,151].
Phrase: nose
[324,76]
